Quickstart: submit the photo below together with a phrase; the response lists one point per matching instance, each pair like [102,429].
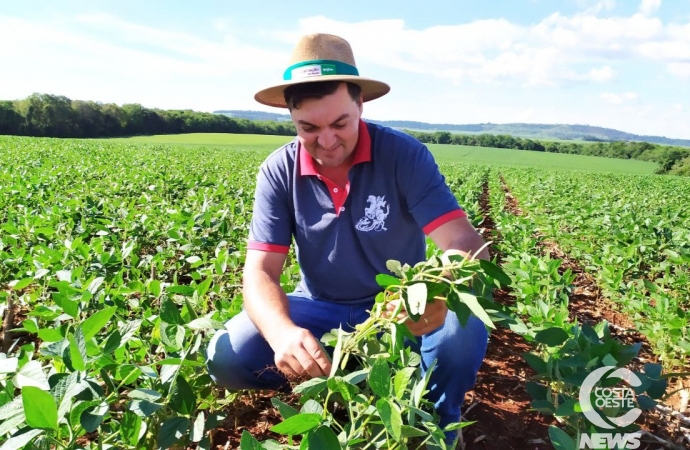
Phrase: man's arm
[455,237]
[458,236]
[296,350]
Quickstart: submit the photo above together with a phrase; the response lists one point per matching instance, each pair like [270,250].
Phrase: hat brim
[371,89]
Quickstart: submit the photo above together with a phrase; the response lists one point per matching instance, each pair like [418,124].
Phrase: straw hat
[321,57]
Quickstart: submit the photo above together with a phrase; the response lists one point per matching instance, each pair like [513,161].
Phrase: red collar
[362,152]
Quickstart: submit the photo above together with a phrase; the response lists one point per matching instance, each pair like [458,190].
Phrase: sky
[615,64]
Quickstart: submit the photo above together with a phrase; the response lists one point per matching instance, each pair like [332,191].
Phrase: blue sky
[618,64]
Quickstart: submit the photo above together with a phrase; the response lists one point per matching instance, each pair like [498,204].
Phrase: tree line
[672,160]
[46,115]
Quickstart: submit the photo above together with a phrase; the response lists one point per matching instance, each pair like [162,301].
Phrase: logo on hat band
[318,68]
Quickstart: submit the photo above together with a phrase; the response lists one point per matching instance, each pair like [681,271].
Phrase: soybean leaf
[552,337]
[560,439]
[182,398]
[297,424]
[21,284]
[401,380]
[312,406]
[130,427]
[284,409]
[144,408]
[249,442]
[391,417]
[20,441]
[380,378]
[91,326]
[171,431]
[477,309]
[322,437]
[495,272]
[40,408]
[385,280]
[77,350]
[31,374]
[170,313]
[198,427]
[92,417]
[311,387]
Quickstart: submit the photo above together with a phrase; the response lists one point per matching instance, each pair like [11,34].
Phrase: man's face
[328,127]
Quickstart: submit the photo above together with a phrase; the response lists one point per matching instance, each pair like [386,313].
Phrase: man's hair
[295,94]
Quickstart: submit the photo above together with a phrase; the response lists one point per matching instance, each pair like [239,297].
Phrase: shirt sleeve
[428,197]
[271,227]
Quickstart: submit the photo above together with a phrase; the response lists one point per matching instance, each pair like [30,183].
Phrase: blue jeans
[238,356]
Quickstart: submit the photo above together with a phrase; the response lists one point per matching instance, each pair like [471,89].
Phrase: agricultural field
[120,258]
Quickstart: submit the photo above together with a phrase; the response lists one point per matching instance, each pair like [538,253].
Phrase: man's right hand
[298,353]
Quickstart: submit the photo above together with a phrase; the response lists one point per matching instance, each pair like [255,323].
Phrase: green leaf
[21,284]
[322,438]
[144,408]
[312,406]
[205,323]
[144,394]
[385,280]
[68,305]
[477,309]
[91,326]
[170,313]
[187,291]
[380,378]
[20,441]
[646,403]
[311,387]
[566,408]
[391,417]
[297,424]
[172,335]
[338,384]
[92,417]
[198,427]
[248,442]
[560,439]
[171,431]
[40,408]
[182,398]
[77,350]
[652,370]
[552,337]
[401,380]
[283,408]
[495,272]
[130,428]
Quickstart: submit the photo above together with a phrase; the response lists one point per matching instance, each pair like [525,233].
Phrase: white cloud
[681,70]
[617,99]
[647,7]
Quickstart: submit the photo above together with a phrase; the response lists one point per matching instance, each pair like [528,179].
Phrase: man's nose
[327,139]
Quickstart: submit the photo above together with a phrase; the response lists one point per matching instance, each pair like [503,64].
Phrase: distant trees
[47,115]
[57,116]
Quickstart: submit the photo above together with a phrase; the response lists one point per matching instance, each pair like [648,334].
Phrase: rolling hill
[526,130]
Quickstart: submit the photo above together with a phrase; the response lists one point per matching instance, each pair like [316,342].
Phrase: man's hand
[434,317]
[298,353]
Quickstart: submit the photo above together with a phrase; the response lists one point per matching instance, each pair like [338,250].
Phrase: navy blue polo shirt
[343,237]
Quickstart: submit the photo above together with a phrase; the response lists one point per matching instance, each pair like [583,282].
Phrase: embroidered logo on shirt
[374,215]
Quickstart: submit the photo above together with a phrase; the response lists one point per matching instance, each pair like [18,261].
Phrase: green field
[120,258]
[443,153]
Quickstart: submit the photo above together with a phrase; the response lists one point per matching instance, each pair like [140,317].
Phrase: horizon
[600,63]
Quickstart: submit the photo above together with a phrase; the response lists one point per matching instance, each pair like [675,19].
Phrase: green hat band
[318,68]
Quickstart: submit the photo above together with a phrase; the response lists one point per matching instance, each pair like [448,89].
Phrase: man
[351,195]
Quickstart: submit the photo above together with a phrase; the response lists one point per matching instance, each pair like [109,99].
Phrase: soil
[499,402]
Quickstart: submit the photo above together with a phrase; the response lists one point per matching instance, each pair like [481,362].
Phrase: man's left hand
[434,317]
